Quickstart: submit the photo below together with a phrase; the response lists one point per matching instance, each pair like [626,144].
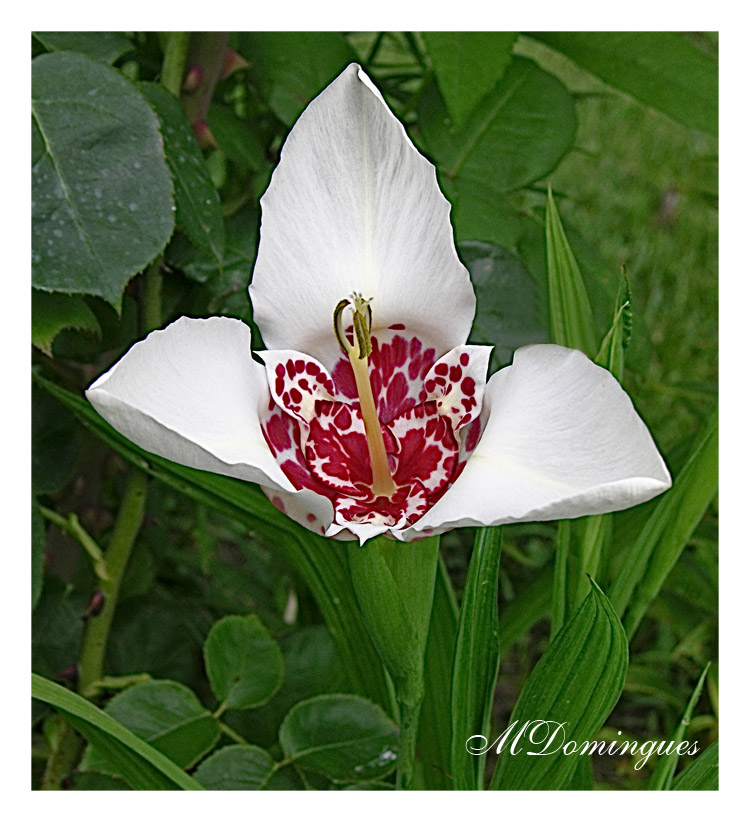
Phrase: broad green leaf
[322,564]
[661,778]
[571,317]
[38,542]
[576,683]
[476,658]
[467,65]
[433,742]
[311,667]
[51,313]
[509,312]
[236,138]
[583,775]
[516,135]
[56,628]
[289,68]
[343,736]
[243,662]
[102,202]
[236,768]
[140,764]
[480,212]
[646,565]
[197,201]
[55,443]
[106,46]
[702,774]
[165,714]
[659,68]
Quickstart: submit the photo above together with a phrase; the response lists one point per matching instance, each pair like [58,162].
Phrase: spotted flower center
[385,434]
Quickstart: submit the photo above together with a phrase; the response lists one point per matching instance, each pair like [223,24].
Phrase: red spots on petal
[279,386]
[280,371]
[397,327]
[441,369]
[311,368]
[455,373]
[464,359]
[343,418]
[277,433]
[290,369]
[295,395]
[299,366]
[279,503]
[311,518]
[472,434]
[467,386]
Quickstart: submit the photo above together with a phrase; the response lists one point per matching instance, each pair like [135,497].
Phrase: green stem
[560,579]
[72,526]
[68,750]
[96,633]
[173,65]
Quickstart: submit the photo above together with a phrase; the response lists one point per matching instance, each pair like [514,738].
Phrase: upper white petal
[192,393]
[562,440]
[353,206]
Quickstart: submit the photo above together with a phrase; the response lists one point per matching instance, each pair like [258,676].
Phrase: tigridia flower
[371,414]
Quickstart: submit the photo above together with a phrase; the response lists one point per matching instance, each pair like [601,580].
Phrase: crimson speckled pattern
[429,415]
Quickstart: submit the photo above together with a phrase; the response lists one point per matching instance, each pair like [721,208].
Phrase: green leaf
[577,683]
[615,344]
[236,138]
[106,46]
[467,66]
[198,204]
[530,606]
[508,303]
[516,135]
[661,778]
[141,765]
[243,662]
[101,191]
[51,313]
[38,544]
[165,714]
[345,737]
[56,628]
[311,667]
[289,68]
[703,774]
[480,212]
[236,768]
[476,658]
[55,443]
[646,565]
[321,563]
[659,68]
[571,317]
[433,741]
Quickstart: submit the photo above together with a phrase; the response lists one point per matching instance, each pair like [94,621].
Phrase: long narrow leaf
[576,683]
[433,741]
[661,778]
[571,317]
[667,530]
[476,659]
[139,764]
[703,774]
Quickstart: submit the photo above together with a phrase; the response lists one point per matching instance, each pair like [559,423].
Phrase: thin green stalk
[96,633]
[593,540]
[560,578]
[173,65]
[94,643]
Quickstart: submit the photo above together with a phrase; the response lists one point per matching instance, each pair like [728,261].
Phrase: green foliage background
[134,192]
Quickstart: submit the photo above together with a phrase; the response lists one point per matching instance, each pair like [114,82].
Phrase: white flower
[371,414]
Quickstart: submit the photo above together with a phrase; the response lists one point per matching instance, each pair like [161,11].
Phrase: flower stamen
[358,354]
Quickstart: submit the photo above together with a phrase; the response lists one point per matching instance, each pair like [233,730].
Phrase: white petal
[352,206]
[193,394]
[562,440]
